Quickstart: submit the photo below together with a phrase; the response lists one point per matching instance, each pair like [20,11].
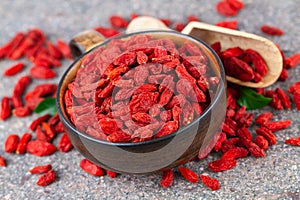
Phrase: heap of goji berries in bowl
[144,102]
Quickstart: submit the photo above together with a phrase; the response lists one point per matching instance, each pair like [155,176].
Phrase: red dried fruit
[179,26]
[47,178]
[271,30]
[64,49]
[111,174]
[220,141]
[118,21]
[210,182]
[11,143]
[40,169]
[228,24]
[65,144]
[167,178]
[264,118]
[168,128]
[222,165]
[296,98]
[234,153]
[21,148]
[292,61]
[224,8]
[40,148]
[267,134]
[107,32]
[255,150]
[91,168]
[262,142]
[19,89]
[13,70]
[238,68]
[278,125]
[192,18]
[284,98]
[293,141]
[258,62]
[188,174]
[42,72]
[2,162]
[6,106]
[38,121]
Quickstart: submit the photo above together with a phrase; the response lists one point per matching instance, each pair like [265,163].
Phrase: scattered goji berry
[2,162]
[271,30]
[6,106]
[210,182]
[228,24]
[13,70]
[293,141]
[40,169]
[222,165]
[11,143]
[188,174]
[278,125]
[261,142]
[65,144]
[292,61]
[40,148]
[264,118]
[91,168]
[21,148]
[118,21]
[234,153]
[167,178]
[47,178]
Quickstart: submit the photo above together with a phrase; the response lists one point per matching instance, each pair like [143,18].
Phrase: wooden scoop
[228,38]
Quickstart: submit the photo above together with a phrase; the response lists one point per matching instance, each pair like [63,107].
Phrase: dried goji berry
[6,106]
[111,174]
[40,148]
[238,68]
[234,153]
[2,162]
[264,118]
[46,178]
[40,169]
[262,142]
[64,49]
[271,30]
[118,21]
[255,150]
[91,168]
[228,24]
[21,148]
[278,125]
[292,60]
[11,143]
[167,178]
[19,89]
[222,165]
[13,70]
[220,141]
[38,121]
[192,18]
[267,134]
[224,8]
[21,111]
[188,174]
[42,72]
[107,32]
[210,182]
[293,141]
[65,144]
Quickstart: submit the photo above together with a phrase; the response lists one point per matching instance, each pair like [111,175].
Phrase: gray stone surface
[277,176]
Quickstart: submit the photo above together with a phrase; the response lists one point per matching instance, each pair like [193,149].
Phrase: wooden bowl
[166,152]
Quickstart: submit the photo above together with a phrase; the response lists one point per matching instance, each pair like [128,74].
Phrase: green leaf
[251,99]
[47,106]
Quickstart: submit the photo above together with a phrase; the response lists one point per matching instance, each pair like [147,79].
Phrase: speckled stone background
[277,176]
